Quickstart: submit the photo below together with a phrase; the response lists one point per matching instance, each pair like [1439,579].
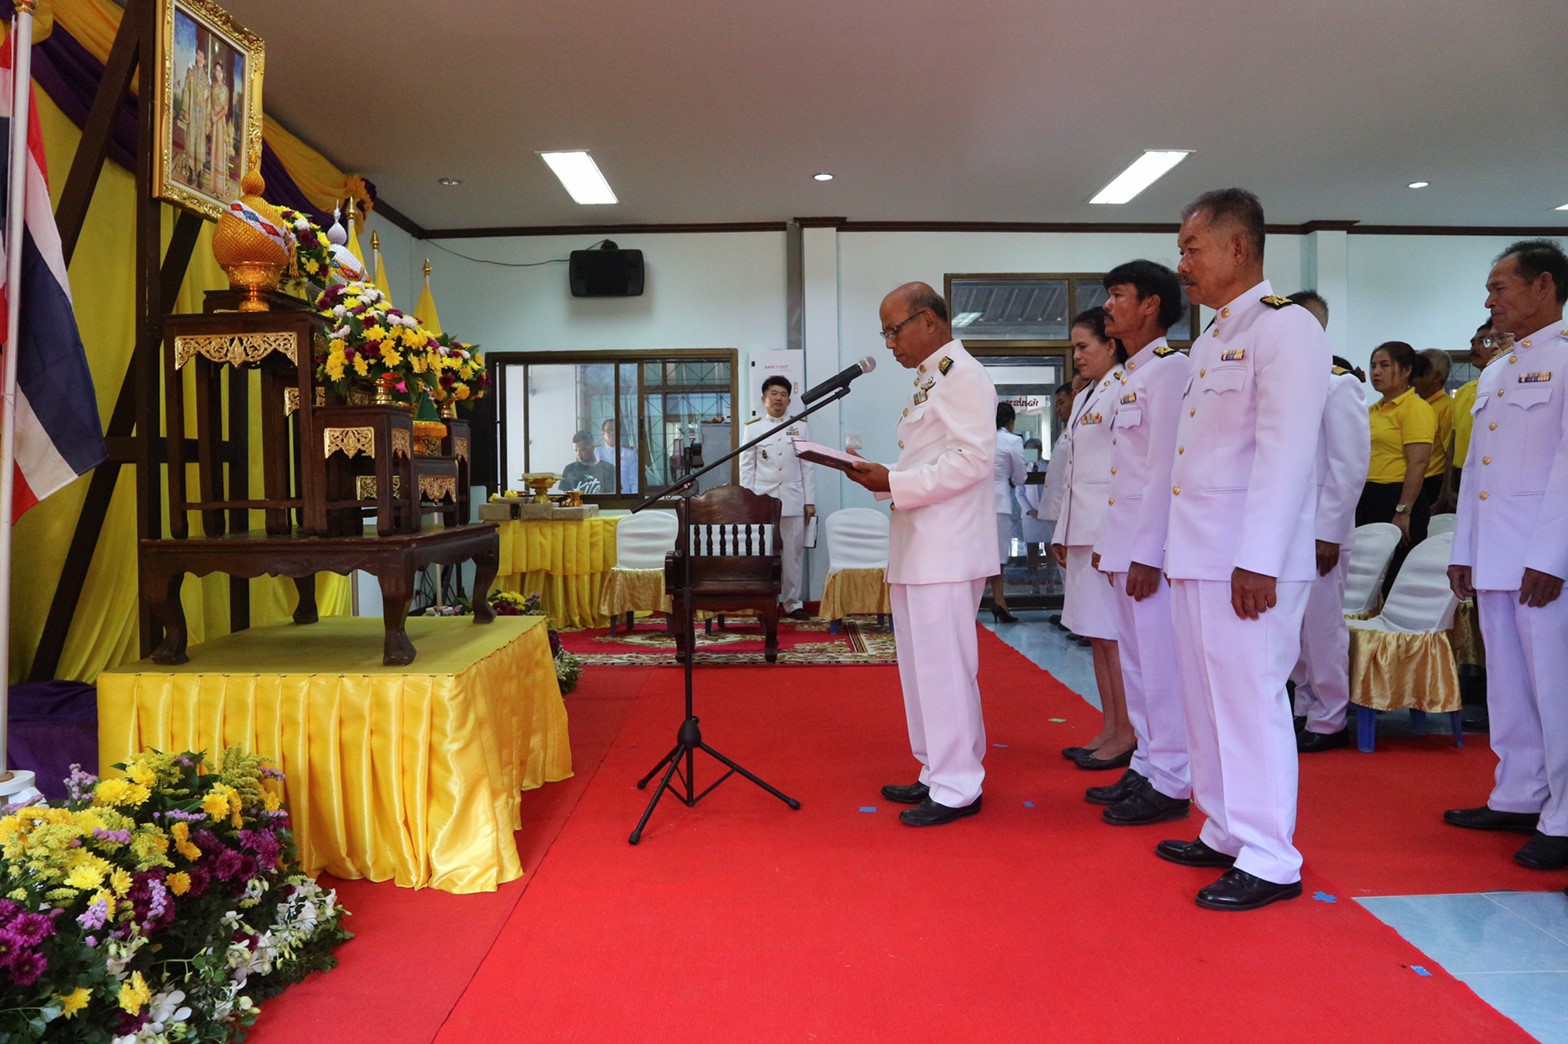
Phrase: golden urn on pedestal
[252,244]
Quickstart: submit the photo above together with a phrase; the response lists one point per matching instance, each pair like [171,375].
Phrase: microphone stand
[688,738]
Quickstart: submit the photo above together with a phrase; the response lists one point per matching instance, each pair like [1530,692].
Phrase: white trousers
[939,666]
[1240,738]
[1146,645]
[1527,702]
[792,549]
[1322,673]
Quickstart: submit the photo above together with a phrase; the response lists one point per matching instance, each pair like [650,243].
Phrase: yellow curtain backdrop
[103,280]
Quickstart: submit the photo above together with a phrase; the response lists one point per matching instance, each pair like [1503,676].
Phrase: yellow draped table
[411,774]
[564,561]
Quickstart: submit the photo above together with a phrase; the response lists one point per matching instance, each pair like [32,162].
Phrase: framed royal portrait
[208,117]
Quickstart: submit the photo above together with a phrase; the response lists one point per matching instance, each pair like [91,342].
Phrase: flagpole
[15,228]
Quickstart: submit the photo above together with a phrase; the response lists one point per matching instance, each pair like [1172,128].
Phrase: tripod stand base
[687,742]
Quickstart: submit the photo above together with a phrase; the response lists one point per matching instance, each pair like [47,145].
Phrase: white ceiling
[985,111]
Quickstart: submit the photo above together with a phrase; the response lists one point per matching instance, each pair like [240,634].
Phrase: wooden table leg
[397,587]
[485,566]
[305,611]
[161,589]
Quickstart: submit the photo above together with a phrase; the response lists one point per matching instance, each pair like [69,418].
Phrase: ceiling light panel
[581,176]
[1143,172]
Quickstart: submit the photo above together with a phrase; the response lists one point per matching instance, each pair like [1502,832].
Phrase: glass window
[1032,309]
[611,424]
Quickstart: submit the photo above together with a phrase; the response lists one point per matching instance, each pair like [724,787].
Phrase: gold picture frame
[208,115]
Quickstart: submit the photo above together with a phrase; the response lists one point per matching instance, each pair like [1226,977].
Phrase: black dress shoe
[912,794]
[1090,763]
[1299,724]
[1192,853]
[1239,890]
[798,613]
[934,813]
[1074,753]
[1130,783]
[1317,742]
[1487,818]
[1146,806]
[1544,852]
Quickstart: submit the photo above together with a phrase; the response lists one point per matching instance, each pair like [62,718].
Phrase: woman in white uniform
[1008,471]
[1089,608]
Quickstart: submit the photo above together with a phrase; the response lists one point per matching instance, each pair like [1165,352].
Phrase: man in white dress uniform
[772,469]
[1511,551]
[1241,553]
[942,548]
[1322,673]
[1144,301]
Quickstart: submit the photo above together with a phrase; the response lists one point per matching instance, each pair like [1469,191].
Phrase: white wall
[1427,290]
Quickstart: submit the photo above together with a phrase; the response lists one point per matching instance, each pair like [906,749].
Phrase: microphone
[839,380]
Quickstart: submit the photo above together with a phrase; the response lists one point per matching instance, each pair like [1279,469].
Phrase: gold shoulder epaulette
[1163,350]
[1339,371]
[754,420]
[945,365]
[1276,301]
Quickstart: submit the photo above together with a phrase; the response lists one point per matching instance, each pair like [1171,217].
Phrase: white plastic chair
[1371,548]
[1420,603]
[637,580]
[857,539]
[1443,523]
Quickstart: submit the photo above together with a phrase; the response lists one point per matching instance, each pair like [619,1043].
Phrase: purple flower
[121,836]
[8,910]
[228,865]
[32,928]
[265,844]
[94,916]
[26,968]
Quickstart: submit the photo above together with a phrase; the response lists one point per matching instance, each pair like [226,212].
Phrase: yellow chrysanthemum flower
[215,804]
[88,873]
[271,801]
[361,367]
[140,772]
[179,883]
[73,1002]
[120,881]
[134,994]
[375,332]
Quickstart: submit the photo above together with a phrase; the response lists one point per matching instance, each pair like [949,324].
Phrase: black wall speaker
[606,273]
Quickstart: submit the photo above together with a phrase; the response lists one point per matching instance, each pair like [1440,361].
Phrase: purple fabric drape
[53,725]
[69,75]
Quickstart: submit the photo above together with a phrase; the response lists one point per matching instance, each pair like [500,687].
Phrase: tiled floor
[1511,948]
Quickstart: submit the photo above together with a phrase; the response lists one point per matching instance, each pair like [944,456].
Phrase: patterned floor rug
[804,642]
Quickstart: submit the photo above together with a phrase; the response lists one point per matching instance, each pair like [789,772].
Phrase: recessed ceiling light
[1419,184]
[1144,171]
[823,176]
[581,176]
[449,182]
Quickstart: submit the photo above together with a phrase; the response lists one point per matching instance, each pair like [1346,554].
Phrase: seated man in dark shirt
[587,474]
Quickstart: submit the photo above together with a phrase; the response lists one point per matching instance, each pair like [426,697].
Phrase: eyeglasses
[890,332]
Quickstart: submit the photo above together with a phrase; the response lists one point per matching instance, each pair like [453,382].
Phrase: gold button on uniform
[1486,460]
[1192,413]
[1483,494]
[1176,490]
[900,443]
[906,411]
[1492,426]
[1202,372]
[1501,393]
[1113,469]
[1512,359]
[1111,501]
[1525,342]
[1180,450]
[1224,313]
[922,367]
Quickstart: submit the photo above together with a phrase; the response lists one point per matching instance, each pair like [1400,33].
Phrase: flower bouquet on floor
[165,905]
[372,348]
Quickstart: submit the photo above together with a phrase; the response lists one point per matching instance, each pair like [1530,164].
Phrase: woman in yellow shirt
[1403,426]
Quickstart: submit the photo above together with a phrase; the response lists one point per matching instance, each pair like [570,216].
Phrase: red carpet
[743,920]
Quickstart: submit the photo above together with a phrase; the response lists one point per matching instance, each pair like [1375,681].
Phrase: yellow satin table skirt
[855,592]
[410,774]
[565,562]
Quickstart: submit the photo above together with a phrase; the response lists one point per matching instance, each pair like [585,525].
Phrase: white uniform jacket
[1088,477]
[1243,480]
[1008,469]
[771,467]
[1513,495]
[1344,453]
[1143,437]
[1050,504]
[943,520]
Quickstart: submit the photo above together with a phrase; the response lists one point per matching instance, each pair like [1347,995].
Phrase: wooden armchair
[731,539]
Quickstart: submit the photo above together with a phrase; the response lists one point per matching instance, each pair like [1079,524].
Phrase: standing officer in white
[1322,673]
[1144,301]
[942,548]
[772,469]
[1511,551]
[1241,555]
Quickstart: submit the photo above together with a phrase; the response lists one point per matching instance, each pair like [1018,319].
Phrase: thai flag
[58,434]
